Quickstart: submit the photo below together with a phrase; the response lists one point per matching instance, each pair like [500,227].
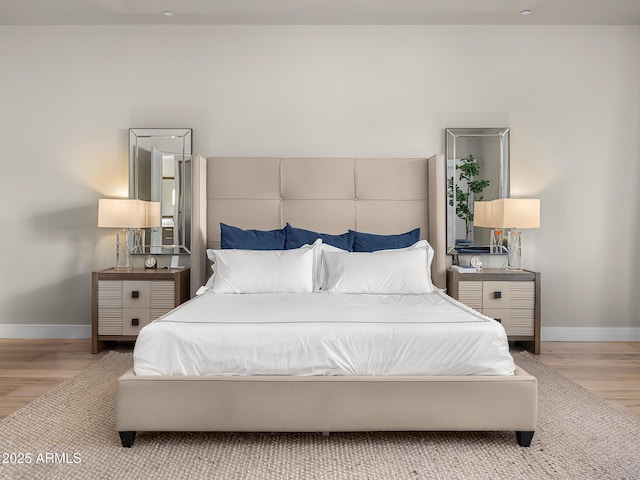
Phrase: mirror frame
[452,135]
[180,140]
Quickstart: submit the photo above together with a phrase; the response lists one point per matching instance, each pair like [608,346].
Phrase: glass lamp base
[123,260]
[138,240]
[515,250]
[497,241]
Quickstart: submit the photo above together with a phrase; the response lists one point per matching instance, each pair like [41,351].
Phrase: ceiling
[320,12]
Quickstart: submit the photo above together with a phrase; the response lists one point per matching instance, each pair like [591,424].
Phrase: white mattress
[323,334]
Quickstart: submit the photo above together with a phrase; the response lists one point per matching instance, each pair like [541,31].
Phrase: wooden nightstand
[125,301]
[511,297]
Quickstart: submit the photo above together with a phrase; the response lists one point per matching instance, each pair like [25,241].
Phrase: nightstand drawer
[136,293]
[496,295]
[516,322]
[133,319]
[499,314]
[508,295]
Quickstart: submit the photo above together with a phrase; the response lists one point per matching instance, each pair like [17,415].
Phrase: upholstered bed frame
[382,195]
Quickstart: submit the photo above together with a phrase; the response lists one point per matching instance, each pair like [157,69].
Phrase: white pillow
[401,271]
[319,273]
[263,271]
[418,244]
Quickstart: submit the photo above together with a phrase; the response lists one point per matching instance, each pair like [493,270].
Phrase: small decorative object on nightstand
[125,301]
[510,297]
[476,262]
[150,262]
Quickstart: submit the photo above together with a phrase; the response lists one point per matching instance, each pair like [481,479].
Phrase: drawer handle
[135,322]
[135,294]
[497,294]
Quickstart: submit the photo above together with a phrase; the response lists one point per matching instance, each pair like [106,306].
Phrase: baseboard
[44,331]
[589,334]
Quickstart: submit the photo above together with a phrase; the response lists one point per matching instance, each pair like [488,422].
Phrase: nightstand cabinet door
[161,298]
[522,322]
[523,295]
[470,293]
[124,302]
[110,307]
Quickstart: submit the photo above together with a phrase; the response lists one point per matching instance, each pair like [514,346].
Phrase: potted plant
[466,190]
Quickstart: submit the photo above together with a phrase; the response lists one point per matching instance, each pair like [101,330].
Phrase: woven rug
[69,433]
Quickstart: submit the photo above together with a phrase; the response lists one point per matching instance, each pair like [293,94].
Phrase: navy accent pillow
[297,237]
[234,237]
[369,242]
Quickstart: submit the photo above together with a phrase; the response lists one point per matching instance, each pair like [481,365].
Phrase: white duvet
[323,334]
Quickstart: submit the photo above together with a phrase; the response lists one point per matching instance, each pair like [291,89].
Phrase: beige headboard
[330,195]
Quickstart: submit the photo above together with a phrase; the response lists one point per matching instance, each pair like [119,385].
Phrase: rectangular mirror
[160,171]
[477,169]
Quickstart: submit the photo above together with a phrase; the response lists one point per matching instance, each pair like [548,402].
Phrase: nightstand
[125,301]
[511,297]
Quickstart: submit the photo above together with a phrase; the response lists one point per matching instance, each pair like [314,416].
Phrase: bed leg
[524,438]
[127,438]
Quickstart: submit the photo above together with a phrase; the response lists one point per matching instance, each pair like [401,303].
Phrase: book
[464,269]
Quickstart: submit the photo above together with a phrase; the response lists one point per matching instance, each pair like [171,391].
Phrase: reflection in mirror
[160,171]
[477,169]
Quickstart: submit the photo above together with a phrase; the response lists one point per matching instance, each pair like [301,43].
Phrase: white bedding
[323,334]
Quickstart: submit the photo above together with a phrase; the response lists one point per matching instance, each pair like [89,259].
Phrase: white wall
[569,94]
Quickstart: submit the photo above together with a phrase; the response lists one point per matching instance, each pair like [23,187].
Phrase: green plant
[463,198]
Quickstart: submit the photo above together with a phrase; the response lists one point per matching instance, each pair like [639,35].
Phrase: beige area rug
[69,433]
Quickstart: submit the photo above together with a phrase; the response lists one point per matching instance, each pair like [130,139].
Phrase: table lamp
[123,214]
[515,214]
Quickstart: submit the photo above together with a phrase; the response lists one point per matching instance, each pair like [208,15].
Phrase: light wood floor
[29,368]
[611,369]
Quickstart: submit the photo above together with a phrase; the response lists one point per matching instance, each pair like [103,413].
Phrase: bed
[329,195]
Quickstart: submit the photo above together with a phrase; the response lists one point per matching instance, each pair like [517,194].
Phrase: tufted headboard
[331,195]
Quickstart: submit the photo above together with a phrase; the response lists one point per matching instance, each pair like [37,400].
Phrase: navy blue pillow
[297,237]
[369,242]
[234,237]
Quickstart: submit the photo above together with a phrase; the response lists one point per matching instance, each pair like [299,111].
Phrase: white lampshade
[152,215]
[482,214]
[127,213]
[515,213]
[121,213]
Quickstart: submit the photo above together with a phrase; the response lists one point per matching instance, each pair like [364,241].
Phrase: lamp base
[138,235]
[123,259]
[498,242]
[514,255]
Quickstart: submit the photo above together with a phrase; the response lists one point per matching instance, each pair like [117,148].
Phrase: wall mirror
[477,169]
[160,171]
